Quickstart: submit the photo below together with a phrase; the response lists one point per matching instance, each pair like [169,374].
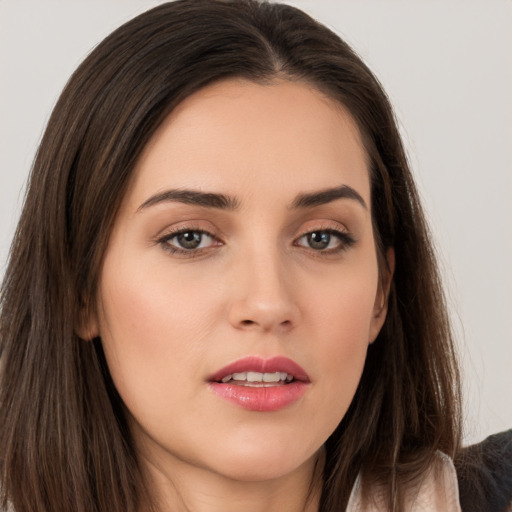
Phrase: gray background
[447,66]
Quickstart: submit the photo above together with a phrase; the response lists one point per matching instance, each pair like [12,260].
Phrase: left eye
[189,240]
[324,240]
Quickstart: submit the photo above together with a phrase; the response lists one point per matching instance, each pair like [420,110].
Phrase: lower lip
[262,399]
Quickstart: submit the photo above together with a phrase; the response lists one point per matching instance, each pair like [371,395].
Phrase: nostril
[247,322]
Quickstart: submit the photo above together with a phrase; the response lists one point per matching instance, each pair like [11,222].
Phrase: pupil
[319,239]
[189,240]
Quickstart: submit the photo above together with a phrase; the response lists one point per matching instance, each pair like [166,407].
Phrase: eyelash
[190,253]
[345,241]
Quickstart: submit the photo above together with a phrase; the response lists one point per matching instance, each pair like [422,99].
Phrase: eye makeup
[326,241]
[193,241]
[188,241]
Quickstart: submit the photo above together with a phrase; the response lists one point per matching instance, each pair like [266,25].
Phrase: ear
[87,327]
[380,308]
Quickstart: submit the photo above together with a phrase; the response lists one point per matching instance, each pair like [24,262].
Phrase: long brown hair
[64,439]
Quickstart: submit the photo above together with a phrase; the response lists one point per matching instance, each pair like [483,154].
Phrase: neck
[193,489]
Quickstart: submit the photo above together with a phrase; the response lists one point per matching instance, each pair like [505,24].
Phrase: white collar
[438,490]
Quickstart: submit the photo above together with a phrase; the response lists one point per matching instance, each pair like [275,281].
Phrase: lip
[262,399]
[258,364]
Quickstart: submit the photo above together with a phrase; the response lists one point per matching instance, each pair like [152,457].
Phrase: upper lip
[259,364]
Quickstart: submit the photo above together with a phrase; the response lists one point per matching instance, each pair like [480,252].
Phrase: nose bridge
[264,297]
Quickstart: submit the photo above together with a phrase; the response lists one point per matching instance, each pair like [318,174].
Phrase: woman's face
[239,290]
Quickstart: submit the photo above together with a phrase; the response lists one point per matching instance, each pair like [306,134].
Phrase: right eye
[187,241]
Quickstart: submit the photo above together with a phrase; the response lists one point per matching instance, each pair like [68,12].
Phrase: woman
[221,293]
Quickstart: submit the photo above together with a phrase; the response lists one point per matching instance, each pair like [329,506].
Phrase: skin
[255,286]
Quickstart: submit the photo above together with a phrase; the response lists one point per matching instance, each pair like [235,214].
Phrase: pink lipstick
[263,385]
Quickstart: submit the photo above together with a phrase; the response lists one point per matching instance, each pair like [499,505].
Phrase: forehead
[236,136]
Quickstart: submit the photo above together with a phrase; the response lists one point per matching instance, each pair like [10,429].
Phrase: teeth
[254,377]
[258,377]
[272,377]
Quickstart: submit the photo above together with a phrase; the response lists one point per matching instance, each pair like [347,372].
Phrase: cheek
[149,307]
[152,333]
[342,317]
[342,310]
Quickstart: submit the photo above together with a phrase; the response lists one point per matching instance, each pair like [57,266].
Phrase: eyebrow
[225,202]
[327,195]
[194,197]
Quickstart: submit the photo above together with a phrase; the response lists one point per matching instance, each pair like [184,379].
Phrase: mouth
[262,385]
[255,371]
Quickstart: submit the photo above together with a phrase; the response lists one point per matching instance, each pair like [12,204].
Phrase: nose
[264,294]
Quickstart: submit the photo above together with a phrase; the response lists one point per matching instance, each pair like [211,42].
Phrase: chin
[255,463]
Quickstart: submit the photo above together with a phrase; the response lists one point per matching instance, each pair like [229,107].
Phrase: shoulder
[484,473]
